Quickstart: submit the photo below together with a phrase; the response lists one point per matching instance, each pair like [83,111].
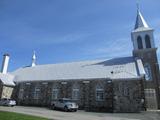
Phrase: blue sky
[71,30]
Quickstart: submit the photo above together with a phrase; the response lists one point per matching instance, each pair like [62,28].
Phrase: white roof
[118,68]
[7,79]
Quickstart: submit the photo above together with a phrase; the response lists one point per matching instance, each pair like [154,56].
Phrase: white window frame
[75,94]
[98,96]
[36,94]
[124,89]
[55,93]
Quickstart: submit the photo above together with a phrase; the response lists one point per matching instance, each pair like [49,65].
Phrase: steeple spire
[140,21]
[33,59]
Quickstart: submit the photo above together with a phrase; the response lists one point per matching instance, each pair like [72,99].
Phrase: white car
[64,104]
[7,102]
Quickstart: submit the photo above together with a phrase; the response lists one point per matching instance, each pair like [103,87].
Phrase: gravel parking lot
[82,115]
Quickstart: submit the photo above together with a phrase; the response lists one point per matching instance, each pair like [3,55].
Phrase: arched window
[139,41]
[147,41]
[148,75]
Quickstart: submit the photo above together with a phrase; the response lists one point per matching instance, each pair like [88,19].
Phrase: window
[36,94]
[99,94]
[55,94]
[75,94]
[124,89]
[21,92]
[147,41]
[139,42]
[148,75]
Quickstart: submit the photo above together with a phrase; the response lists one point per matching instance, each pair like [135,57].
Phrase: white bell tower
[142,35]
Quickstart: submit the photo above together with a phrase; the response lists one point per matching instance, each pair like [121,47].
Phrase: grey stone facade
[149,56]
[116,95]
[128,96]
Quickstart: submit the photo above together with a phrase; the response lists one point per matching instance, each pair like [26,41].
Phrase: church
[125,84]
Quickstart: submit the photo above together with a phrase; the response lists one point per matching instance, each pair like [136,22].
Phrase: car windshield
[67,100]
[10,99]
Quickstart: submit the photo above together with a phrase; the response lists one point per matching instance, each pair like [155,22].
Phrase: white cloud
[113,48]
[68,38]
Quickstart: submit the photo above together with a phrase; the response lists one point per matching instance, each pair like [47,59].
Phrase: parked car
[7,102]
[64,104]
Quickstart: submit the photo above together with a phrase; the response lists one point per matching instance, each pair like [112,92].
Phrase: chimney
[5,63]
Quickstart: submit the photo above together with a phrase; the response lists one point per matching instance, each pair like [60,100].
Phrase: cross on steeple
[138,2]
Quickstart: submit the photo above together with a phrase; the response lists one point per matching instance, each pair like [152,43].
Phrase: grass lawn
[17,116]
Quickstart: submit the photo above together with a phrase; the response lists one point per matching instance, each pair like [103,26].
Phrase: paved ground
[82,115]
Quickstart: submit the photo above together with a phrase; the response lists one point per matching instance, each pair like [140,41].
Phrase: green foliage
[17,116]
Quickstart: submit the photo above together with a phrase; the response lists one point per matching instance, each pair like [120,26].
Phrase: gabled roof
[117,68]
[7,79]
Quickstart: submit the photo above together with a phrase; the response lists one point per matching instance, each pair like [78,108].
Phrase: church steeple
[142,34]
[33,59]
[144,48]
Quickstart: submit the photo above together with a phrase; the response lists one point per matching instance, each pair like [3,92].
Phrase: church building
[125,84]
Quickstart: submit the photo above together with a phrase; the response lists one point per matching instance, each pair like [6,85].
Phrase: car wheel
[65,108]
[75,110]
[53,107]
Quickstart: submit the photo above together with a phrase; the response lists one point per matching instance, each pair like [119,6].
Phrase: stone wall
[87,98]
[128,96]
[149,56]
